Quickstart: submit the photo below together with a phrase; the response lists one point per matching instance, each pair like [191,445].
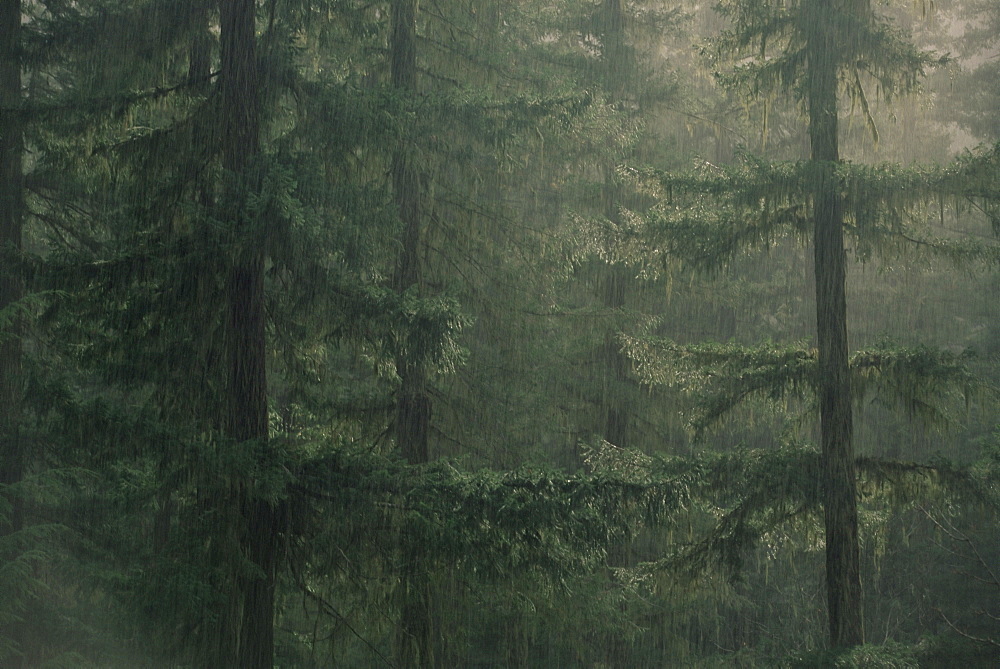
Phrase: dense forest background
[499,333]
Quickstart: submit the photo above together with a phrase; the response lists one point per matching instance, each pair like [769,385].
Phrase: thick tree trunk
[246,392]
[843,576]
[413,402]
[11,283]
[11,221]
[413,642]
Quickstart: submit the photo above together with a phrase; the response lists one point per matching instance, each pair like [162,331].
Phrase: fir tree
[813,50]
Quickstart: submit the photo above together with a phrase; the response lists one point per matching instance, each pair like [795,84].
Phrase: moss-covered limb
[770,35]
[497,523]
[723,376]
[904,483]
[753,494]
[749,494]
[922,381]
[709,214]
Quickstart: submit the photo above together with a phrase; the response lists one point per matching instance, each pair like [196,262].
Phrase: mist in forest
[506,333]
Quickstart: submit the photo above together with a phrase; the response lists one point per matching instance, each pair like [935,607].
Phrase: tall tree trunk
[843,576]
[246,392]
[617,67]
[613,366]
[615,54]
[413,404]
[201,406]
[11,283]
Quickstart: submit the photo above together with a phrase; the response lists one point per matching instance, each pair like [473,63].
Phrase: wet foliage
[439,334]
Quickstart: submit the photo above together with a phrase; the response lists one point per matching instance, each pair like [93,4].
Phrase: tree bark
[198,405]
[413,402]
[12,454]
[614,365]
[618,67]
[246,418]
[413,641]
[843,575]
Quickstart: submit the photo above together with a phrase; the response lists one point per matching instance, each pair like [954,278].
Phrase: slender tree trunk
[613,365]
[12,454]
[617,421]
[615,55]
[413,405]
[843,576]
[617,67]
[246,392]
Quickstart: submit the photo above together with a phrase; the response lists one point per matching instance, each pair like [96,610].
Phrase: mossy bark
[413,637]
[843,579]
[246,419]
[12,456]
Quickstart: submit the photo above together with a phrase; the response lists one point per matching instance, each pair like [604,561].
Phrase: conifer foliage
[815,51]
[304,304]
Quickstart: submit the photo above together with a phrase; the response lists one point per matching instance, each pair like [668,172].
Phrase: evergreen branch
[330,609]
[60,228]
[754,492]
[917,378]
[510,521]
[116,104]
[722,377]
[965,634]
[13,314]
[768,42]
[708,214]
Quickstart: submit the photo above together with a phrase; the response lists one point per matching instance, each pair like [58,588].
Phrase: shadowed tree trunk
[618,66]
[204,366]
[12,455]
[413,404]
[618,71]
[245,418]
[614,365]
[843,579]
